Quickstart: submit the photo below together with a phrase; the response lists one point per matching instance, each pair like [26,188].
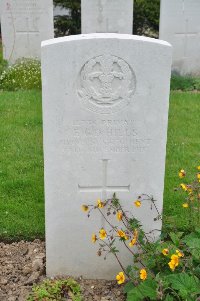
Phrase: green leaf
[114,250]
[193,242]
[148,288]
[191,236]
[128,269]
[196,254]
[175,237]
[197,271]
[112,242]
[197,230]
[129,286]
[194,245]
[169,298]
[150,262]
[185,284]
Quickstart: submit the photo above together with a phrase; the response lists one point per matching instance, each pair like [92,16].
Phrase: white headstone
[24,24]
[105,113]
[180,26]
[0,11]
[100,16]
[60,11]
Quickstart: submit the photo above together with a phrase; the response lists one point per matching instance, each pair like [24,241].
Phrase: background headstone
[24,24]
[60,11]
[0,11]
[180,26]
[105,114]
[114,16]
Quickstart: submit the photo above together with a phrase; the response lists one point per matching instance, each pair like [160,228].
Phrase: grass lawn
[183,152]
[21,161]
[21,165]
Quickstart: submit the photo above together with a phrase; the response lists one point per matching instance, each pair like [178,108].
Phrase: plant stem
[107,220]
[117,259]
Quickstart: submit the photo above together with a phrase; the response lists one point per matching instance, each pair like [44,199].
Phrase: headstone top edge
[91,36]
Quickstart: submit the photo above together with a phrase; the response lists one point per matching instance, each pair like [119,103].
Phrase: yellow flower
[143,274]
[172,265]
[179,253]
[174,262]
[102,234]
[122,234]
[175,259]
[184,187]
[182,173]
[120,278]
[100,204]
[198,176]
[94,238]
[85,208]
[136,233]
[132,242]
[119,215]
[137,203]
[165,251]
[185,205]
[198,167]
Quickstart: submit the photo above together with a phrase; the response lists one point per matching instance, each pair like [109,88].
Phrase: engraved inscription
[106,84]
[24,16]
[18,7]
[107,136]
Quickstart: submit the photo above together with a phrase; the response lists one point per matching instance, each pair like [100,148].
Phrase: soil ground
[23,263]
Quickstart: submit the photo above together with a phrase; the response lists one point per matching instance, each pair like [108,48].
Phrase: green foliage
[163,283]
[169,298]
[166,269]
[185,83]
[24,75]
[175,237]
[68,25]
[3,63]
[187,286]
[141,291]
[193,242]
[146,17]
[182,282]
[58,290]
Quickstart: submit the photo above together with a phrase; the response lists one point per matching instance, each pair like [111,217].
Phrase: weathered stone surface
[105,113]
[101,16]
[24,24]
[0,10]
[180,26]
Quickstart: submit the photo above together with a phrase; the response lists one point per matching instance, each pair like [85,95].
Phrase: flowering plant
[167,269]
[25,74]
[56,289]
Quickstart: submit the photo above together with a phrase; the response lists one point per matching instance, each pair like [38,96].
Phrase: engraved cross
[104,188]
[186,34]
[28,30]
